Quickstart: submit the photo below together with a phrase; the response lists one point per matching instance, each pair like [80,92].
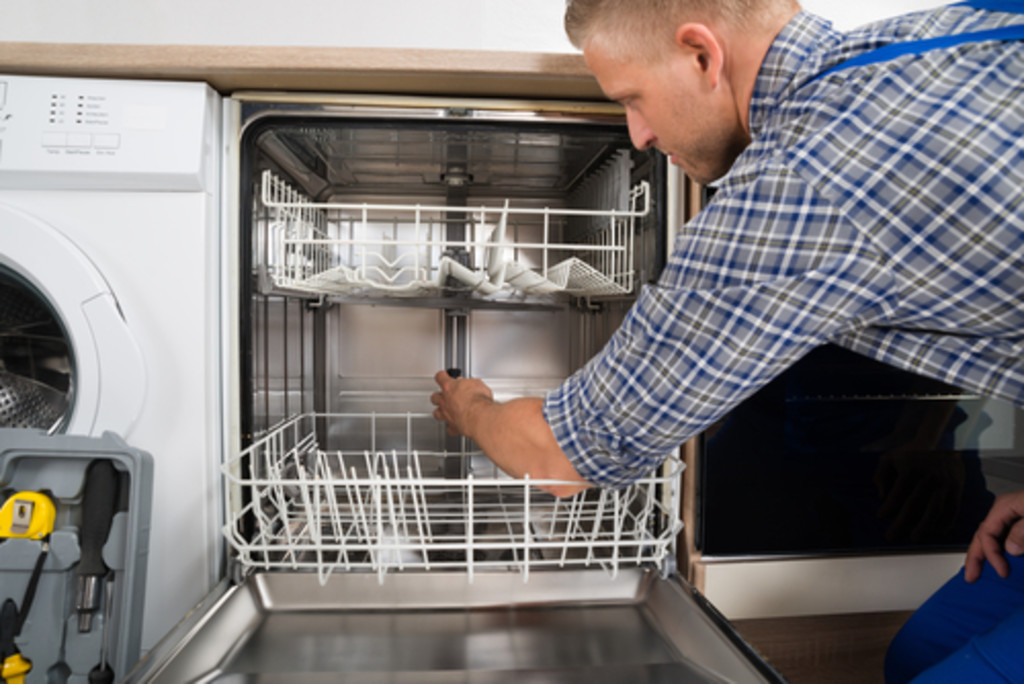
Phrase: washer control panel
[93,133]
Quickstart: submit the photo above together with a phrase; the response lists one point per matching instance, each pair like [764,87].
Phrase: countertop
[324,69]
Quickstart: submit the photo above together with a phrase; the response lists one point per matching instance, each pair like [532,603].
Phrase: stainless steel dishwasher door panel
[675,673]
[560,627]
[464,640]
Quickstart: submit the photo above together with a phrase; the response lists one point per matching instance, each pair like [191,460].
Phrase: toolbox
[74,540]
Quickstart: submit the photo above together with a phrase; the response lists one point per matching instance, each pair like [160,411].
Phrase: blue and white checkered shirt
[879,208]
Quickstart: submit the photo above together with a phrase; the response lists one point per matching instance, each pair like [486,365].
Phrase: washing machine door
[68,360]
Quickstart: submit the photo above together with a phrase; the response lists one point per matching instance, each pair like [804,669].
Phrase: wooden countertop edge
[229,68]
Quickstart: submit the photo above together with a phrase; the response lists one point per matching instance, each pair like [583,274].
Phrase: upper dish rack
[325,248]
[381,505]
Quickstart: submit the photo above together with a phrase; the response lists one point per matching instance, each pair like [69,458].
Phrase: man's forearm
[516,437]
[513,434]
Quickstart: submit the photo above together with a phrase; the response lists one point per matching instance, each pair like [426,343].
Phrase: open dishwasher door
[359,566]
[562,627]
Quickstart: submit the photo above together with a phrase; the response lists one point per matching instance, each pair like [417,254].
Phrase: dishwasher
[370,242]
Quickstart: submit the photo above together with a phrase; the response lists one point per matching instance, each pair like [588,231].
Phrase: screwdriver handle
[98,504]
[13,665]
[8,628]
[15,668]
[104,675]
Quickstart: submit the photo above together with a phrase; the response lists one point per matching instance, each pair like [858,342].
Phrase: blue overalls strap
[913,47]
[1010,6]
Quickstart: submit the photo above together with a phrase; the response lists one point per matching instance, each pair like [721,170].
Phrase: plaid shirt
[879,208]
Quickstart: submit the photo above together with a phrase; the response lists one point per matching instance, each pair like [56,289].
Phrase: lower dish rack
[383,507]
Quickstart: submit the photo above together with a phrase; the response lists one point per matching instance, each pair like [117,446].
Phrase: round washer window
[36,364]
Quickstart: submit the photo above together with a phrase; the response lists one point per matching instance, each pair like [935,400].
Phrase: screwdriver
[98,504]
[102,674]
[13,666]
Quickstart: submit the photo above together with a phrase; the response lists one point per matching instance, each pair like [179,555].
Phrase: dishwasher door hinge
[237,573]
[668,566]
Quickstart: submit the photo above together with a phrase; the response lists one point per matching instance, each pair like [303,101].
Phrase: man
[877,206]
[661,82]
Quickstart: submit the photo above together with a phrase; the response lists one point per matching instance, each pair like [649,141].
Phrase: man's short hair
[636,28]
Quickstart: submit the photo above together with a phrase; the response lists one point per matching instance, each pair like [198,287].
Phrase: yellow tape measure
[27,515]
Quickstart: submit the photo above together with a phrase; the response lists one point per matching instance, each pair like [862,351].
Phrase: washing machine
[110,295]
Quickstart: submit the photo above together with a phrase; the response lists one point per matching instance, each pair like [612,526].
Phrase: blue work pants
[964,633]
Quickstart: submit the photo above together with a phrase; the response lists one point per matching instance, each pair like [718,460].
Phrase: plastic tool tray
[78,507]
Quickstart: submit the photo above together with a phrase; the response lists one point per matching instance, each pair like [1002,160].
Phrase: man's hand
[459,401]
[1003,528]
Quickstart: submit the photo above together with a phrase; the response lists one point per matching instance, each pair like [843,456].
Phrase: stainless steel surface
[27,403]
[675,673]
[361,152]
[527,345]
[87,600]
[35,361]
[421,627]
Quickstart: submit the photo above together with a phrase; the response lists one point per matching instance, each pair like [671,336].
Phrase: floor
[828,649]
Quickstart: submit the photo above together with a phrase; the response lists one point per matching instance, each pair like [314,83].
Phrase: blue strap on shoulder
[1010,6]
[913,47]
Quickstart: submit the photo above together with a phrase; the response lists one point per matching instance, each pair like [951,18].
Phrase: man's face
[670,106]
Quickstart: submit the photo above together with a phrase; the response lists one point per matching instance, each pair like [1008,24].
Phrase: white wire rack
[298,507]
[402,249]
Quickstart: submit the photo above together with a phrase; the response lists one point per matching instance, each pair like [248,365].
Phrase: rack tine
[338,519]
[470,524]
[571,524]
[363,517]
[400,494]
[417,487]
[526,528]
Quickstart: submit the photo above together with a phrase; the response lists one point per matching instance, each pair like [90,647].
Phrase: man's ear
[701,44]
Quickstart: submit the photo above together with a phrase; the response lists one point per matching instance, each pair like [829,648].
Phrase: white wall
[528,25]
[847,15]
[520,25]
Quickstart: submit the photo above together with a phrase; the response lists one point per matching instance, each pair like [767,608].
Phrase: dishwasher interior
[382,244]
[386,249]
